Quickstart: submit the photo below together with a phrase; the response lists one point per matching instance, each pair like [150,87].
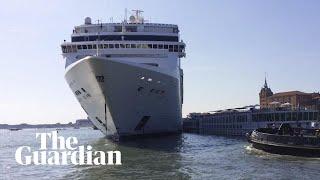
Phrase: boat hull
[287,150]
[126,99]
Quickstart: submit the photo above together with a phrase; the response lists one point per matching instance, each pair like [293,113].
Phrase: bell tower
[264,94]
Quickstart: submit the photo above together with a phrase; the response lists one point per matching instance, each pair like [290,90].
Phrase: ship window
[79,47]
[100,46]
[273,117]
[131,28]
[77,92]
[288,116]
[283,115]
[155,46]
[149,45]
[139,45]
[89,46]
[300,116]
[84,46]
[125,37]
[160,46]
[116,45]
[68,49]
[310,115]
[305,116]
[294,116]
[170,48]
[106,46]
[118,29]
[133,46]
[181,48]
[100,78]
[175,48]
[63,49]
[127,45]
[94,46]
[122,46]
[277,117]
[111,46]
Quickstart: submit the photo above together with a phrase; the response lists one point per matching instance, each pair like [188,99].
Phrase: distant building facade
[291,99]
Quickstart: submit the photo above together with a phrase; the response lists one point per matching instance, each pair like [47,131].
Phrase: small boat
[15,129]
[287,140]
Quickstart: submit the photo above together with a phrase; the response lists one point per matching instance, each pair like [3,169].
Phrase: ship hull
[125,99]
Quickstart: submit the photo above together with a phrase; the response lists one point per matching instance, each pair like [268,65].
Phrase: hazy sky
[230,45]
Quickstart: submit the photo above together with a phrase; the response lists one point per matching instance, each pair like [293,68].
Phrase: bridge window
[155,46]
[106,46]
[111,46]
[118,29]
[89,46]
[131,28]
[127,45]
[116,45]
[160,46]
[150,46]
[166,46]
[133,46]
[175,48]
[170,48]
[181,48]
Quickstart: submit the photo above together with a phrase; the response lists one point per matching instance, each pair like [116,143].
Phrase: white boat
[127,76]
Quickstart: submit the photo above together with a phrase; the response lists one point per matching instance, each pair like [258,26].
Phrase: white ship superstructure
[127,76]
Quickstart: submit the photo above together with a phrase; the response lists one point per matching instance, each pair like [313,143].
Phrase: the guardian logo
[63,152]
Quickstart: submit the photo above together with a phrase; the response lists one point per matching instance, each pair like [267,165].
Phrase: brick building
[292,99]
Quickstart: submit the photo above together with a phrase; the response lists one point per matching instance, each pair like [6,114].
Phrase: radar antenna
[137,17]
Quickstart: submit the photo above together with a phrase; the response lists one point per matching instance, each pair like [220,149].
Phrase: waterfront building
[292,99]
[239,121]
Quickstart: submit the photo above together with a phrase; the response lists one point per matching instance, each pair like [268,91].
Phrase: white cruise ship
[127,76]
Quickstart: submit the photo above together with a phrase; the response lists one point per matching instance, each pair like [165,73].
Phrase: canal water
[185,156]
